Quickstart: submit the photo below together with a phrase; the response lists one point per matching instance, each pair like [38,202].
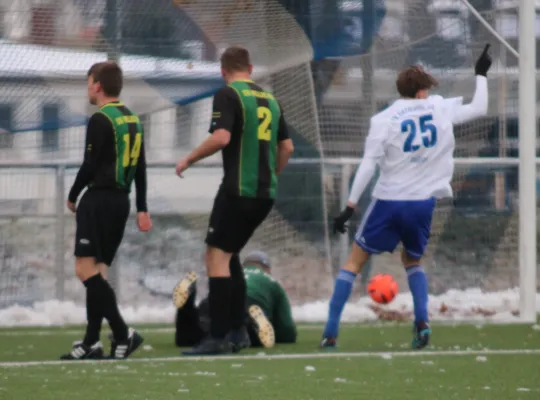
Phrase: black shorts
[234,219]
[101,221]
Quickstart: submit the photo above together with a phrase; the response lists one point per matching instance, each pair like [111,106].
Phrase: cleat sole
[182,290]
[265,330]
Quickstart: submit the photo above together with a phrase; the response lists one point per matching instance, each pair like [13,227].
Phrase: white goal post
[527,154]
[527,150]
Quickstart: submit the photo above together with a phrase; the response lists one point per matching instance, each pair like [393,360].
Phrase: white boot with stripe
[122,349]
[80,351]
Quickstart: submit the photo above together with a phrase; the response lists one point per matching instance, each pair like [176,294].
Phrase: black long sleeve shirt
[99,165]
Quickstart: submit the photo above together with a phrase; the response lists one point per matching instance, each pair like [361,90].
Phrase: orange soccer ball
[382,288]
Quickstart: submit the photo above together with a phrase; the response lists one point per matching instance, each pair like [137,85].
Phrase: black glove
[339,222]
[483,63]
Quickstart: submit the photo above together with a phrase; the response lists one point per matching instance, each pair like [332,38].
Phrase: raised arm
[479,105]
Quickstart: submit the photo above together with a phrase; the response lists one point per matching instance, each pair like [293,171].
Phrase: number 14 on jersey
[132,150]
[424,126]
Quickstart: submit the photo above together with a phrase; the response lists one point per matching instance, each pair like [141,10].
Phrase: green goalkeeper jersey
[268,294]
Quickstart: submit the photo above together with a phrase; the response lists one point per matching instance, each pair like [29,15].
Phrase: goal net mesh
[473,248]
[169,52]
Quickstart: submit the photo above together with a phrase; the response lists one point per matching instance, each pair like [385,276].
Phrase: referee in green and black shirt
[249,127]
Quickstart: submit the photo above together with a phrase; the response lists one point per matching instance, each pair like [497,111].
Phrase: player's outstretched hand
[483,63]
[341,219]
[144,222]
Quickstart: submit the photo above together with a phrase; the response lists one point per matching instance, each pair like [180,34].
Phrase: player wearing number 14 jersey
[412,142]
[248,127]
[114,157]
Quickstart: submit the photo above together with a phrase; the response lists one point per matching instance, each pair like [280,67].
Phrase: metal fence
[474,241]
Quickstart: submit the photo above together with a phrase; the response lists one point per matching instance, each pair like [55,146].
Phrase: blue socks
[419,288]
[342,292]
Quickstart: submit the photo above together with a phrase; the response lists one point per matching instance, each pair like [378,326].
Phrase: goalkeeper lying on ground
[269,318]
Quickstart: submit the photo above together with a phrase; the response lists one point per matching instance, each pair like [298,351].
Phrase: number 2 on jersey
[428,132]
[264,114]
[131,154]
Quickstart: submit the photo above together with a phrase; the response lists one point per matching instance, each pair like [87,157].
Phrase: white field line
[60,331]
[57,330]
[306,356]
[69,332]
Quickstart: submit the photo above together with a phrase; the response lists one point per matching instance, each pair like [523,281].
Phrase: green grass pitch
[373,361]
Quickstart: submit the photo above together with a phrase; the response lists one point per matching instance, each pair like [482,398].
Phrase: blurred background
[331,63]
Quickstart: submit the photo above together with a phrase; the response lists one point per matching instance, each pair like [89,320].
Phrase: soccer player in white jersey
[412,142]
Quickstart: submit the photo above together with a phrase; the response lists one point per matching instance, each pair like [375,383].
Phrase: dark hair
[412,79]
[109,75]
[235,59]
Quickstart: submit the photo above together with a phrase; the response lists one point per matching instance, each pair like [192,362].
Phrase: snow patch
[455,305]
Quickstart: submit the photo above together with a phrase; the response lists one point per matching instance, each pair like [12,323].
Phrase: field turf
[373,361]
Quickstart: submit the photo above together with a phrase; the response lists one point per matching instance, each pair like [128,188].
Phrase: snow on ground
[454,305]
[467,305]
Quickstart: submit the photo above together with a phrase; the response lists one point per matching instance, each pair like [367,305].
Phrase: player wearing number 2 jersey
[248,126]
[250,160]
[114,157]
[412,142]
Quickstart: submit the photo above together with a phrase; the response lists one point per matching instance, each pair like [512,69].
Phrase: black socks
[219,299]
[94,314]
[238,295]
[101,303]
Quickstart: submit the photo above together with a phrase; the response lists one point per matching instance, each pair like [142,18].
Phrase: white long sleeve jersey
[412,142]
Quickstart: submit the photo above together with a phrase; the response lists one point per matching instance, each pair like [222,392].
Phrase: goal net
[473,260]
[169,52]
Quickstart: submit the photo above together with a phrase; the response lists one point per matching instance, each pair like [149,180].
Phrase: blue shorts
[388,222]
